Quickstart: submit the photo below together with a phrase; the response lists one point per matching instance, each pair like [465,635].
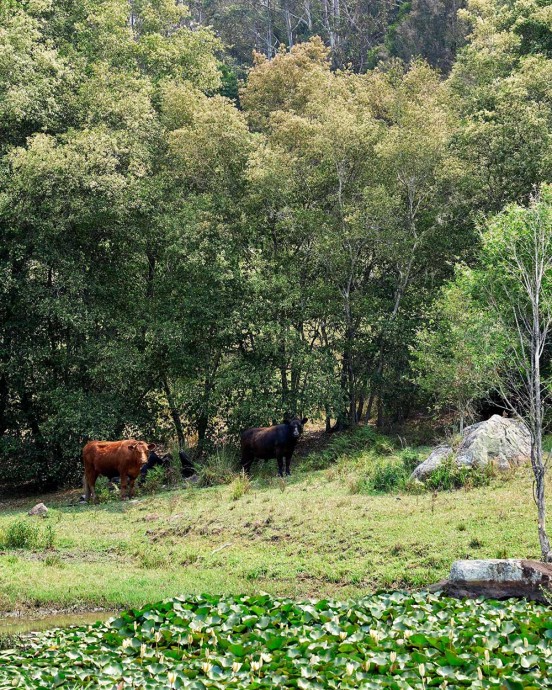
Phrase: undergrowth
[24,534]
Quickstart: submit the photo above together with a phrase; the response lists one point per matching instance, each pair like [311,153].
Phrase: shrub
[240,486]
[105,490]
[21,534]
[155,480]
[383,446]
[449,476]
[48,537]
[347,444]
[218,468]
[389,476]
[410,459]
[384,477]
[24,534]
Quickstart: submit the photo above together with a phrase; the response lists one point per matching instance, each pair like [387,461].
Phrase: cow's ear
[286,420]
[132,446]
[304,420]
[151,446]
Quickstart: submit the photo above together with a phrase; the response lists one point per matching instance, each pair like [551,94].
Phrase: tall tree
[515,279]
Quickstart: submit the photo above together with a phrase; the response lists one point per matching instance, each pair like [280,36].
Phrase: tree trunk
[175,415]
[539,469]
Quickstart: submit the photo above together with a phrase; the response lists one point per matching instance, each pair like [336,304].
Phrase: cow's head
[156,460]
[141,449]
[296,426]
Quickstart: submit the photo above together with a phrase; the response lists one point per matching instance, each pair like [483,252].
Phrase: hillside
[310,537]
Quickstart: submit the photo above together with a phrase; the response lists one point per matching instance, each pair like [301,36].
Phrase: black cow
[186,465]
[154,460]
[277,441]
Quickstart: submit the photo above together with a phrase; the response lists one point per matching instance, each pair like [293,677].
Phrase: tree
[83,215]
[353,187]
[456,356]
[514,285]
[500,85]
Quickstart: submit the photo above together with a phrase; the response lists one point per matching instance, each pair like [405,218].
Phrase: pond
[24,623]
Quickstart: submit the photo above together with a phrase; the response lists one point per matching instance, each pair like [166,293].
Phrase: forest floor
[307,537]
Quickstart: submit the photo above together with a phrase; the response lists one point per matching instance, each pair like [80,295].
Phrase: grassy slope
[313,539]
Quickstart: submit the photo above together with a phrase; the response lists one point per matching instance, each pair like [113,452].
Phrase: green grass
[312,536]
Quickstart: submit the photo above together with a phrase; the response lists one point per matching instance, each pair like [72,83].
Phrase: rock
[437,456]
[499,440]
[504,442]
[194,479]
[38,509]
[499,579]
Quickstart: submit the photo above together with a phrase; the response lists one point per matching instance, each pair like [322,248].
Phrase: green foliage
[410,459]
[240,486]
[347,443]
[21,534]
[388,476]
[449,476]
[458,356]
[175,265]
[106,491]
[155,480]
[394,640]
[498,84]
[27,534]
[218,467]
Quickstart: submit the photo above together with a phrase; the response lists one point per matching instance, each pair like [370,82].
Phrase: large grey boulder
[499,440]
[499,579]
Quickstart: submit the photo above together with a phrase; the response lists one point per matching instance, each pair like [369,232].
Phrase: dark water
[15,625]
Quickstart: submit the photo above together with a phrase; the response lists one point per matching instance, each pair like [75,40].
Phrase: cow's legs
[124,480]
[90,477]
[246,462]
[280,466]
[85,488]
[131,487]
[288,465]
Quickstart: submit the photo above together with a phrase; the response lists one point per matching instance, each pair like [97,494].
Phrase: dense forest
[359,34]
[190,245]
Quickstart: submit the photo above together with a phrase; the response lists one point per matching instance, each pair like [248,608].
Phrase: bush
[448,476]
[105,490]
[410,459]
[155,480]
[389,476]
[240,486]
[384,477]
[348,443]
[24,534]
[218,468]
[21,534]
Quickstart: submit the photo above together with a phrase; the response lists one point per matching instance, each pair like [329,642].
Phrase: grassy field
[308,537]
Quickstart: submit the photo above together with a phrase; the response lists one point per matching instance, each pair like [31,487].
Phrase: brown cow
[110,458]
